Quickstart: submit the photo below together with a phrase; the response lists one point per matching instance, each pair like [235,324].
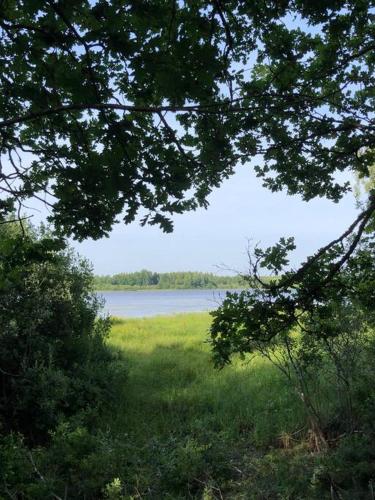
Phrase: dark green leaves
[123,105]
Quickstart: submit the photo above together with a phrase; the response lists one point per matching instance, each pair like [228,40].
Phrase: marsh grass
[173,385]
[176,401]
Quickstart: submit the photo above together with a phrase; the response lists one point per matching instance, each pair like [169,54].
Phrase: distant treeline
[148,279]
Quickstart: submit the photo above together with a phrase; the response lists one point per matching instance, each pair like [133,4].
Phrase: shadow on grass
[174,389]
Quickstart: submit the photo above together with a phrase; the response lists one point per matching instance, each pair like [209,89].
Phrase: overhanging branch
[362,220]
[214,108]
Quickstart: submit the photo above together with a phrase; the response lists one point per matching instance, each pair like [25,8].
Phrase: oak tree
[109,107]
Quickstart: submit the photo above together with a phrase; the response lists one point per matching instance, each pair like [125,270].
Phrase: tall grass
[189,424]
[173,385]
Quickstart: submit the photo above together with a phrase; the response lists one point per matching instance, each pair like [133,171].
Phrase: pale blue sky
[239,211]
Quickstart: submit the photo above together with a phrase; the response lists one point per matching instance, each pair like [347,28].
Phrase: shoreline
[136,289]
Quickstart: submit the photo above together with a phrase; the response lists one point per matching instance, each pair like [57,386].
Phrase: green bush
[53,355]
[57,374]
[76,464]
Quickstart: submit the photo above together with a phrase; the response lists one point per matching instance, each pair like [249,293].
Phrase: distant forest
[145,279]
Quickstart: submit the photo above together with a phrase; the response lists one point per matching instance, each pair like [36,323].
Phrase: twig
[40,475]
[10,221]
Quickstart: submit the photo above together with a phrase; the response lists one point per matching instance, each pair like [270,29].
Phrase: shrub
[54,361]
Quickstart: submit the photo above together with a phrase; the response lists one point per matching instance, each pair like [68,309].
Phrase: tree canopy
[107,107]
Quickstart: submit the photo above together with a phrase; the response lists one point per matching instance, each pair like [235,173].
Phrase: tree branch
[10,221]
[104,106]
[362,219]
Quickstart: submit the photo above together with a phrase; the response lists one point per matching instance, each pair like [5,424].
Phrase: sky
[241,214]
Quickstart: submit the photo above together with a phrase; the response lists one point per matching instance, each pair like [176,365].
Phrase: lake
[136,304]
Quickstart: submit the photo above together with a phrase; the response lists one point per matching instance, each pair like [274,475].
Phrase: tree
[150,104]
[110,106]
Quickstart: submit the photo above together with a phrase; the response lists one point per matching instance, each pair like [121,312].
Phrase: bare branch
[362,219]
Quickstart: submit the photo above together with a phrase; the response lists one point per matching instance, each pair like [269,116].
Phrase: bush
[57,374]
[54,361]
[76,464]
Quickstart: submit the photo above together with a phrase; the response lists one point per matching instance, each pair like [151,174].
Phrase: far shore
[121,288]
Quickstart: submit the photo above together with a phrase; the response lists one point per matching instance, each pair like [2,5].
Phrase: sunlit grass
[173,387]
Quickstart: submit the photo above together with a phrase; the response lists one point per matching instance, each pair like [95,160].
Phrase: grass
[188,422]
[170,371]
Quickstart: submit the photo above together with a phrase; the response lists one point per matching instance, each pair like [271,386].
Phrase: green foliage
[242,432]
[57,374]
[151,104]
[53,356]
[143,108]
[316,325]
[77,464]
[199,438]
[327,287]
[364,182]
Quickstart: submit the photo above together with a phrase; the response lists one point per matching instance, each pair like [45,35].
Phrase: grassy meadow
[171,374]
[197,431]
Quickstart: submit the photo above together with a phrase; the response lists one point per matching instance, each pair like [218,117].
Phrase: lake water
[154,302]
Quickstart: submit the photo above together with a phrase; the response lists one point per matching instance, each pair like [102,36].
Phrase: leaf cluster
[143,107]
